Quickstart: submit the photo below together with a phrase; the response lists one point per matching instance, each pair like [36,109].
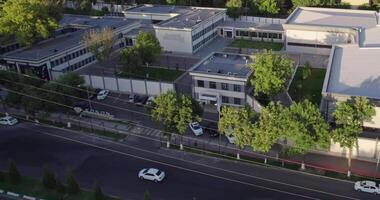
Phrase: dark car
[141,101]
[211,130]
[94,93]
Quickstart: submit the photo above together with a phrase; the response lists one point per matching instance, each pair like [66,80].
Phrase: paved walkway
[324,162]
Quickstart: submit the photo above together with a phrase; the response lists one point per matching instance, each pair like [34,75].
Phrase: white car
[367,186]
[152,174]
[150,100]
[8,120]
[196,128]
[230,138]
[131,98]
[102,94]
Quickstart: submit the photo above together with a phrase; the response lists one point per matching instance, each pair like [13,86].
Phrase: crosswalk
[145,131]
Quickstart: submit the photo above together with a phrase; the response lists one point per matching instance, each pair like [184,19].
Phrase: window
[237,88]
[225,99]
[200,83]
[212,85]
[224,86]
[237,101]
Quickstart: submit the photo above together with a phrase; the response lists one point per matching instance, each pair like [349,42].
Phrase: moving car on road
[150,100]
[230,138]
[196,128]
[367,186]
[102,94]
[132,98]
[152,174]
[8,120]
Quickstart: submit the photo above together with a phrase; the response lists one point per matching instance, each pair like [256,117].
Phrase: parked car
[132,98]
[102,94]
[94,93]
[152,174]
[141,101]
[196,128]
[8,120]
[367,186]
[230,138]
[150,100]
[211,130]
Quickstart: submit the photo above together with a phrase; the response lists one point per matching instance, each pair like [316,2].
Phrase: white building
[179,28]
[221,77]
[316,30]
[65,51]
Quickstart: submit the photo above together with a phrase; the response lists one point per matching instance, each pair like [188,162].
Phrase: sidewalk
[314,160]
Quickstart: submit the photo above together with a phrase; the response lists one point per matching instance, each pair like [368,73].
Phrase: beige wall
[356,2]
[366,148]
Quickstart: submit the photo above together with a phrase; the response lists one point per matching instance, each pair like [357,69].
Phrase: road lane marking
[207,166]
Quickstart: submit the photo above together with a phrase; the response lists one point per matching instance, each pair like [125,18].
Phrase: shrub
[60,188]
[13,173]
[98,192]
[48,179]
[72,185]
[306,70]
[2,176]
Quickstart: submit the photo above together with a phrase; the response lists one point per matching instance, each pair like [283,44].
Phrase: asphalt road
[115,166]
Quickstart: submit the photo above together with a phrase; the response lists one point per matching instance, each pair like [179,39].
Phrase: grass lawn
[32,187]
[310,88]
[251,44]
[155,74]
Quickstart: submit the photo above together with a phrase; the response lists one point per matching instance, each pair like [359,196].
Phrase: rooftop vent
[198,20]
[219,71]
[229,73]
[225,55]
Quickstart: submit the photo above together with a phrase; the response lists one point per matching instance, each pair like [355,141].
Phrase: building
[354,70]
[65,51]
[356,2]
[316,30]
[179,28]
[221,77]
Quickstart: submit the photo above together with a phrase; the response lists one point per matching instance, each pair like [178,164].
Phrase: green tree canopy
[268,8]
[234,8]
[148,47]
[349,117]
[48,179]
[72,185]
[174,111]
[270,73]
[100,43]
[29,20]
[130,58]
[303,3]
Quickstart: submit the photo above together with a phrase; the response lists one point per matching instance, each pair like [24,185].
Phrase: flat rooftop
[355,71]
[253,25]
[333,17]
[192,17]
[67,41]
[159,9]
[225,64]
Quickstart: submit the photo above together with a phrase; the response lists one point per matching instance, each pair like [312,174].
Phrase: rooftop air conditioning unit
[225,55]
[229,73]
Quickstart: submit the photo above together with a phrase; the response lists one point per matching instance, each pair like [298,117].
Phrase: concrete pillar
[303,166]
[68,124]
[238,156]
[181,146]
[348,173]
[265,160]
[168,144]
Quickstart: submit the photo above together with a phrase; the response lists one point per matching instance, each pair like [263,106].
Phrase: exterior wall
[251,101]
[356,2]
[175,40]
[323,41]
[142,87]
[366,148]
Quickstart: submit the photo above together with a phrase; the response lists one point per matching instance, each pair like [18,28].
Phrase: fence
[123,85]
[262,20]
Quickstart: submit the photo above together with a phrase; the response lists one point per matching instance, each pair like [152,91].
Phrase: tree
[147,195]
[130,58]
[100,43]
[303,3]
[270,73]
[234,8]
[98,192]
[306,70]
[72,185]
[349,117]
[60,188]
[305,128]
[174,111]
[13,173]
[48,179]
[28,20]
[148,47]
[269,127]
[2,176]
[268,7]
[239,123]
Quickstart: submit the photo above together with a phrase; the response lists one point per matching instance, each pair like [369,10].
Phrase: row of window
[79,64]
[236,101]
[205,40]
[207,29]
[310,45]
[68,57]
[258,34]
[224,86]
